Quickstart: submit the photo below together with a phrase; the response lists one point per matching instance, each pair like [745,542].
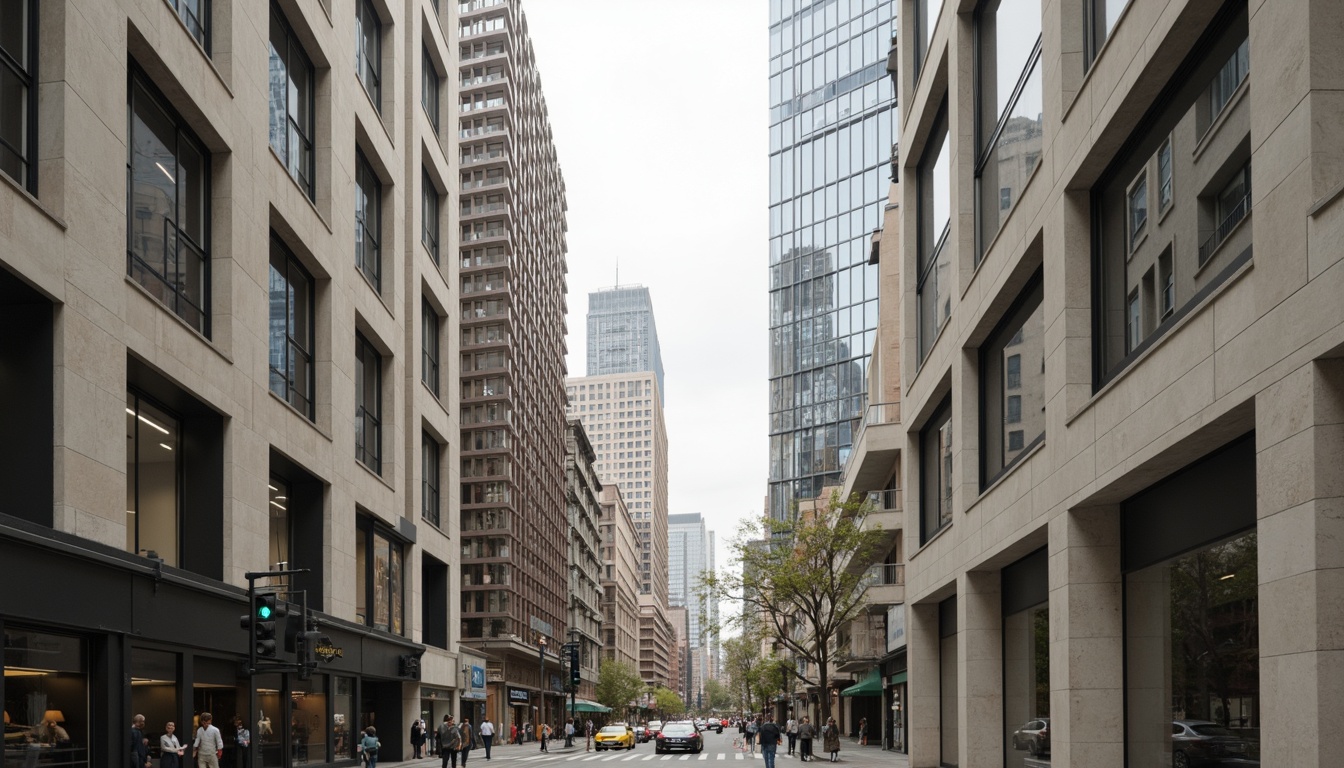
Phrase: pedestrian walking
[569,732]
[368,746]
[792,728]
[170,749]
[831,737]
[450,740]
[139,754]
[544,733]
[806,732]
[417,739]
[487,735]
[468,740]
[513,732]
[863,731]
[208,746]
[752,728]
[242,738]
[770,738]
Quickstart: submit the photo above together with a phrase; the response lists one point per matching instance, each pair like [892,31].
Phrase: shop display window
[46,699]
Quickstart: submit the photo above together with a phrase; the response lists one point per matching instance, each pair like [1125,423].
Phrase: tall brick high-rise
[514,525]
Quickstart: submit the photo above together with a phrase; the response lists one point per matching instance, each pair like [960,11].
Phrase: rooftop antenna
[618,271]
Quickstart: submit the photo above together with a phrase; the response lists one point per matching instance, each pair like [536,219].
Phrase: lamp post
[541,681]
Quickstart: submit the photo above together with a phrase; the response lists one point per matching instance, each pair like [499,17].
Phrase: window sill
[376,292]
[1186,315]
[209,60]
[936,535]
[378,112]
[1135,245]
[300,414]
[375,475]
[35,202]
[1037,444]
[302,192]
[1221,119]
[919,367]
[435,397]
[1091,66]
[159,305]
[1164,210]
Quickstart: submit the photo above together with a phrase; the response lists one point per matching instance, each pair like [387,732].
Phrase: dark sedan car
[1196,743]
[678,736]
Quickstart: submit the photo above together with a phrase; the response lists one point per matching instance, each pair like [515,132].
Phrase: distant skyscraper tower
[622,337]
[832,114]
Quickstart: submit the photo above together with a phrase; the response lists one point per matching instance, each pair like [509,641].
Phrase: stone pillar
[980,641]
[922,699]
[1299,437]
[1086,640]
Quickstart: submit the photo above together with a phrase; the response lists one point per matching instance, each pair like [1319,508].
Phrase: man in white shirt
[487,731]
[208,746]
[791,728]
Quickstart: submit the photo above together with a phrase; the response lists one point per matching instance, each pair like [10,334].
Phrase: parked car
[641,734]
[679,736]
[1034,737]
[614,737]
[1197,743]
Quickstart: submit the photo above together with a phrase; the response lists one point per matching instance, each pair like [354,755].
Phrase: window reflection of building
[152,479]
[46,679]
[378,578]
[1026,661]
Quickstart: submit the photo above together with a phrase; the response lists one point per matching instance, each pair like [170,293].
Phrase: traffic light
[306,650]
[266,610]
[574,664]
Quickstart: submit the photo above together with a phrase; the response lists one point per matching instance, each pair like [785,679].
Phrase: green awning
[581,705]
[868,686]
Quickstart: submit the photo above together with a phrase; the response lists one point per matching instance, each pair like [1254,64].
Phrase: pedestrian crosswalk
[625,757]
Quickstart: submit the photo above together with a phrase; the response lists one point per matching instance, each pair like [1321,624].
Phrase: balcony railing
[484,130]
[884,575]
[481,157]
[1224,229]
[480,183]
[881,413]
[885,501]
[476,210]
[481,79]
[484,235]
[476,5]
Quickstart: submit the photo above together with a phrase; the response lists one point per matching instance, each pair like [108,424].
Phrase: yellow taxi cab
[614,737]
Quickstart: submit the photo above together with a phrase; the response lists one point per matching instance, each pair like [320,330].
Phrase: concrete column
[922,700]
[1299,424]
[980,641]
[1086,640]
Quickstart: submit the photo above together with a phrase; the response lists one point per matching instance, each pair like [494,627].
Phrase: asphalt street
[718,750]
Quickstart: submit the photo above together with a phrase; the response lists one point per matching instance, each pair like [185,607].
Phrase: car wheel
[1179,760]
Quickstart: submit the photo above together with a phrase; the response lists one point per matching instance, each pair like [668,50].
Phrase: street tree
[618,685]
[667,702]
[741,655]
[793,583]
[718,697]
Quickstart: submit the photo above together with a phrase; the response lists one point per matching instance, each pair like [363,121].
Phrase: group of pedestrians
[801,734]
[207,744]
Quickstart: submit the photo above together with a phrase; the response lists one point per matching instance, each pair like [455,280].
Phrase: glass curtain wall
[832,124]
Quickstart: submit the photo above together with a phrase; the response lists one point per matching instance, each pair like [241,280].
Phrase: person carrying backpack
[368,746]
[752,727]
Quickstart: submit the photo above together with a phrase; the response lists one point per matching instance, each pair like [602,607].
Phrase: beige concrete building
[657,643]
[1121,386]
[227,281]
[620,581]
[583,497]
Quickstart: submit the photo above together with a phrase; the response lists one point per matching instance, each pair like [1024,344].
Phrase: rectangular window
[280,548]
[1168,280]
[429,215]
[1229,77]
[369,50]
[368,220]
[379,591]
[153,480]
[1134,326]
[46,673]
[926,18]
[935,207]
[1009,117]
[1012,383]
[1099,17]
[429,484]
[167,222]
[1138,209]
[935,460]
[1164,176]
[429,346]
[368,404]
[195,15]
[291,329]
[291,102]
[429,88]
[1230,207]
[1026,661]
[18,91]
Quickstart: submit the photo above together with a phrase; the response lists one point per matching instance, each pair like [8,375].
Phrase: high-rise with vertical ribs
[512,205]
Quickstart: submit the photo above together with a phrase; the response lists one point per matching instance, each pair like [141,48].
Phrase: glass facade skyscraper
[622,336]
[832,123]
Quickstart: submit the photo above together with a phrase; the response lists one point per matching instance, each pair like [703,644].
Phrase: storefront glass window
[217,689]
[154,693]
[1192,657]
[46,700]
[342,715]
[270,721]
[307,731]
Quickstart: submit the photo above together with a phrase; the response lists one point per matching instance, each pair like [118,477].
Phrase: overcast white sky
[659,110]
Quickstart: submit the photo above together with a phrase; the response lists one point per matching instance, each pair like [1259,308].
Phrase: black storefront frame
[129,602]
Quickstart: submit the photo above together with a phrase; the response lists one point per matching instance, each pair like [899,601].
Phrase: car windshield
[613,730]
[678,729]
[1209,729]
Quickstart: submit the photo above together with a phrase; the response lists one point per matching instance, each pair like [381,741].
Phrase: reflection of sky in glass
[942,192]
[1017,27]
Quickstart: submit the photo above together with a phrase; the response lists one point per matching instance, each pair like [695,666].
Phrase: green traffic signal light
[264,611]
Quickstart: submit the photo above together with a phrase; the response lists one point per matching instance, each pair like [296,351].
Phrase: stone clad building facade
[1120,267]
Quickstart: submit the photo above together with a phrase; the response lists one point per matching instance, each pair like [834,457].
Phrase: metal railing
[886,501]
[1224,229]
[481,79]
[884,575]
[478,184]
[481,157]
[476,5]
[489,233]
[484,130]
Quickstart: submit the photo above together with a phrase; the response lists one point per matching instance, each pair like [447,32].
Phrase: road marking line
[650,757]
[721,756]
[704,757]
[739,756]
